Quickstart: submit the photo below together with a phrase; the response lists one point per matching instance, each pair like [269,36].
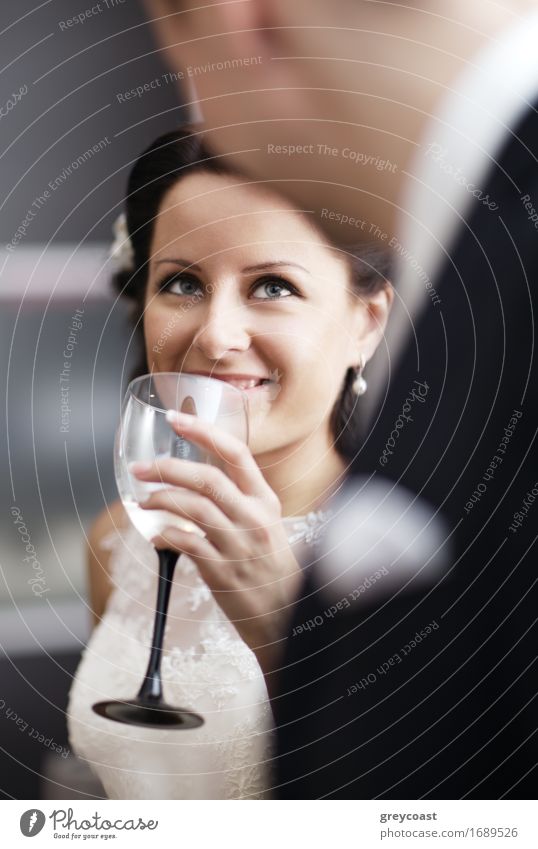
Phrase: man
[309,90]
[405,128]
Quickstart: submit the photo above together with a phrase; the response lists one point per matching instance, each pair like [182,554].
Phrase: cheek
[152,337]
[319,354]
[313,373]
[163,337]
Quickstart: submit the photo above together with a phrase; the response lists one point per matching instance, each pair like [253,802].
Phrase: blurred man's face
[328,97]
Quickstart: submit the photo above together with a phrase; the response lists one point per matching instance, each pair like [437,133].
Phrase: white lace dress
[205,667]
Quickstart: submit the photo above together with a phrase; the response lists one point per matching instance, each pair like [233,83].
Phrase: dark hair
[176,155]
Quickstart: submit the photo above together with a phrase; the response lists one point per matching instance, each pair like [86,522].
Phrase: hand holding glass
[144,435]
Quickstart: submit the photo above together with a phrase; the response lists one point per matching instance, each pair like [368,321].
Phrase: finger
[207,480]
[207,559]
[196,508]
[185,542]
[240,464]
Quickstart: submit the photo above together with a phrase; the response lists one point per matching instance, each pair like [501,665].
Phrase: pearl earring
[359,384]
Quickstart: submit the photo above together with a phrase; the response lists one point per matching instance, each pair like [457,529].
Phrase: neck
[303,481]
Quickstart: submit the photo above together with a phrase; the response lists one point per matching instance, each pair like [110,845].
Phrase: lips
[245,384]
[240,381]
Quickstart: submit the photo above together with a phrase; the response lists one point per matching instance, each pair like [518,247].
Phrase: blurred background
[70,131]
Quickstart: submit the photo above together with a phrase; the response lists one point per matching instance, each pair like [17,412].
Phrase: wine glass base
[158,715]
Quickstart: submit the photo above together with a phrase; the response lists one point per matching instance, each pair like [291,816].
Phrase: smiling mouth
[246,385]
[245,382]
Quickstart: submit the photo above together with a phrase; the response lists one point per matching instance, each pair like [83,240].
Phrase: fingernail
[139,468]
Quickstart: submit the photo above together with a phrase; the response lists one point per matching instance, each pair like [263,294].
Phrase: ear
[372,312]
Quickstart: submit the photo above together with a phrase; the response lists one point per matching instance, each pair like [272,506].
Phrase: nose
[223,329]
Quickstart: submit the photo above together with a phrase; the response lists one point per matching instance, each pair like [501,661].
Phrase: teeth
[244,384]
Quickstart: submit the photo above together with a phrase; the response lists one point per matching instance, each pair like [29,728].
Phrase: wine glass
[145,435]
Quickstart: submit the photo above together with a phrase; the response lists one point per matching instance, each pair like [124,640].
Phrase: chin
[263,439]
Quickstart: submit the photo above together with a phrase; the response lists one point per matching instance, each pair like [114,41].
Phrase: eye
[274,282]
[180,284]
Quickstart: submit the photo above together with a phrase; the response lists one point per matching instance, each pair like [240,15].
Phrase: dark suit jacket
[456,716]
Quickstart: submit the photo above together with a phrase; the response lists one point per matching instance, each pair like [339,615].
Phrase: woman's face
[239,283]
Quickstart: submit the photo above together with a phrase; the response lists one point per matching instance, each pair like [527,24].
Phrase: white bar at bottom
[273,824]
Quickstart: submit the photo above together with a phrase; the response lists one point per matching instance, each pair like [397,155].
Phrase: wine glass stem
[151,689]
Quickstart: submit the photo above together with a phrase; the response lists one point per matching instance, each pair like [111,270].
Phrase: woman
[226,279]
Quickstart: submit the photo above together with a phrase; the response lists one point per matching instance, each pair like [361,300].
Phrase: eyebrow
[184,263]
[264,265]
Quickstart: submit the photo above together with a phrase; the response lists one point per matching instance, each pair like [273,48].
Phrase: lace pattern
[310,528]
[205,666]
